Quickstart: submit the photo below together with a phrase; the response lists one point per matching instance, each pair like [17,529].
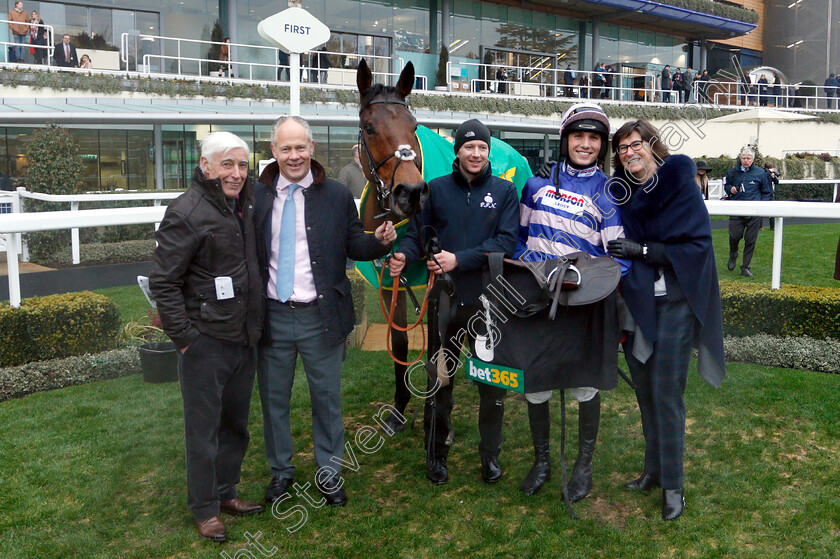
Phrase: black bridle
[402,153]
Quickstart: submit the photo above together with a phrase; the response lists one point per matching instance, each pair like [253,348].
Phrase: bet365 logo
[496,375]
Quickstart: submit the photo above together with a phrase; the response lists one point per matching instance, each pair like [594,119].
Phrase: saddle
[528,288]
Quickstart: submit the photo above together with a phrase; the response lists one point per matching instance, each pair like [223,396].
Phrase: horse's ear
[406,81]
[364,78]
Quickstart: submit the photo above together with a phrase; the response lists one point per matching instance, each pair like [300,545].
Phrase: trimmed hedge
[125,251]
[793,310]
[802,353]
[58,326]
[16,382]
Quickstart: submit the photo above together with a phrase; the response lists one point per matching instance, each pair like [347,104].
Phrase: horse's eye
[369,129]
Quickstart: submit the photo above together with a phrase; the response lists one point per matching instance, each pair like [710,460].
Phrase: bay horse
[391,160]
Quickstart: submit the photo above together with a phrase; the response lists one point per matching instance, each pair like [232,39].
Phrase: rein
[402,153]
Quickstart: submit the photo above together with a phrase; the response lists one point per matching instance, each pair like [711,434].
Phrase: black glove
[626,248]
[545,170]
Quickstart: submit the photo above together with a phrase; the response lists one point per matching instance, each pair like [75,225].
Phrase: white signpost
[294,31]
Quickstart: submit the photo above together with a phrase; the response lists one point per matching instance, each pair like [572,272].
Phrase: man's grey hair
[747,150]
[222,142]
[355,149]
[280,121]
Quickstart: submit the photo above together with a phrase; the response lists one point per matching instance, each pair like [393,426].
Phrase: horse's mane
[376,90]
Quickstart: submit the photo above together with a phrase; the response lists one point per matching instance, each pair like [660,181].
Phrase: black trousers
[491,408]
[216,379]
[746,228]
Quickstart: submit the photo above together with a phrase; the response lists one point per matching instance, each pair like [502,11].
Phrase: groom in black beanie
[472,212]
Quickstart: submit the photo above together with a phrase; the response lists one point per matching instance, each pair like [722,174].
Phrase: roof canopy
[692,24]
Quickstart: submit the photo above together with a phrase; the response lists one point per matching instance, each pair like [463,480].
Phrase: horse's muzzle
[409,198]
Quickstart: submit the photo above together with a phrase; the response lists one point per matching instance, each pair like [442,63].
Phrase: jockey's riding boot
[540,472]
[589,418]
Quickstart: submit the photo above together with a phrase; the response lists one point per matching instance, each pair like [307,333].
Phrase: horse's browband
[386,102]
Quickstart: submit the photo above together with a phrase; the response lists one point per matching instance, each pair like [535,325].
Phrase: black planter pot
[159,361]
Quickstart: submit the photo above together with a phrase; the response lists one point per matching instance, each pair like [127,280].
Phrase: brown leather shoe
[212,529]
[238,507]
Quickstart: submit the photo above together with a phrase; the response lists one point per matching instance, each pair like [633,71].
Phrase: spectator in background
[38,37]
[688,83]
[85,62]
[703,86]
[598,80]
[19,31]
[323,62]
[745,182]
[283,65]
[609,92]
[583,82]
[677,85]
[830,87]
[777,89]
[569,80]
[351,175]
[773,180]
[65,54]
[501,77]
[666,83]
[702,179]
[763,91]
[225,68]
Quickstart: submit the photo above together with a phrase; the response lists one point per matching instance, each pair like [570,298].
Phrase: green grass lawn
[97,471]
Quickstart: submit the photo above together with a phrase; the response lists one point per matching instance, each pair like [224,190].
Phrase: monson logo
[564,196]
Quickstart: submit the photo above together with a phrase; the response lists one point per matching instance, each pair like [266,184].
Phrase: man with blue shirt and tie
[307,227]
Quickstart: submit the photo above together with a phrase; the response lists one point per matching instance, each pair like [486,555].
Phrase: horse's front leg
[399,347]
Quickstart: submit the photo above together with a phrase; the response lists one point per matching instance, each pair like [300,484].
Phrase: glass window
[140,164]
[101,30]
[76,22]
[89,143]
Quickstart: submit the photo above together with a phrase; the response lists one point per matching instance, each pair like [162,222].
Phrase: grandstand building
[532,42]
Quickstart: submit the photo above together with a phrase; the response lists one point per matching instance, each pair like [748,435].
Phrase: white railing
[789,96]
[48,48]
[240,61]
[541,81]
[13,225]
[18,205]
[779,210]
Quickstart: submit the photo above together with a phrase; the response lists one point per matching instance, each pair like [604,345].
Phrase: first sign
[294,30]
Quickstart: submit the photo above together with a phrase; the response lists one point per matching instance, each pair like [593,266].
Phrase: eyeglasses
[636,146]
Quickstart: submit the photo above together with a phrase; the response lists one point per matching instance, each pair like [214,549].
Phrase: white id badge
[224,288]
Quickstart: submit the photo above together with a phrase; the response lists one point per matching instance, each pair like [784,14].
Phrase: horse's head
[390,152]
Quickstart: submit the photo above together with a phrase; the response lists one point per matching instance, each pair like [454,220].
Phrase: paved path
[48,282]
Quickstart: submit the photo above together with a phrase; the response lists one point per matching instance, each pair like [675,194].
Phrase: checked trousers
[660,390]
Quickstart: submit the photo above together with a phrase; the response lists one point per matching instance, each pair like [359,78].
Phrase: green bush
[54,168]
[805,192]
[16,382]
[793,310]
[58,326]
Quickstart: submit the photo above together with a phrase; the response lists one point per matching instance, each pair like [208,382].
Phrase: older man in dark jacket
[308,226]
[745,181]
[206,283]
